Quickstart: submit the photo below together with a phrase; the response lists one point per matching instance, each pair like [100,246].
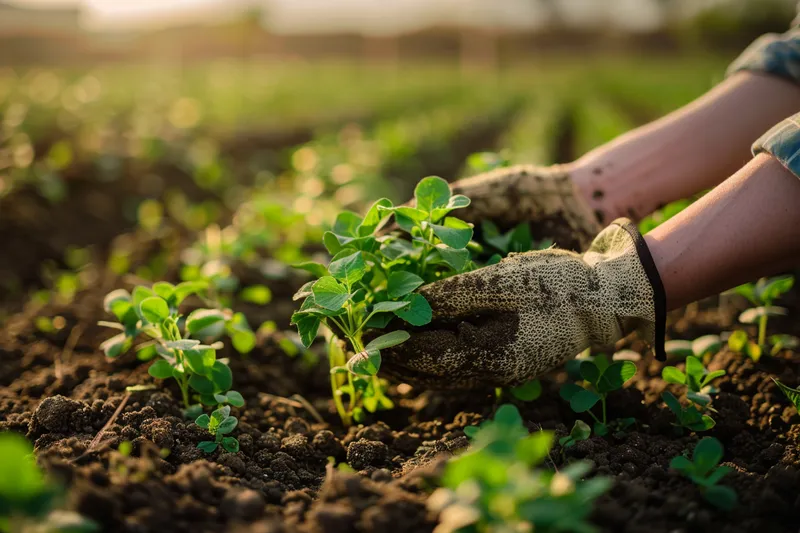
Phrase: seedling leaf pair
[704,470]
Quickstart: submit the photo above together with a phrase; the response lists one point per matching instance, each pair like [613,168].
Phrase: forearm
[747,227]
[687,151]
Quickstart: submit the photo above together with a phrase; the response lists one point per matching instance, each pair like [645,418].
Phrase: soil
[280,480]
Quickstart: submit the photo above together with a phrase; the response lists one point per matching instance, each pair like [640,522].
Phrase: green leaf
[431,192]
[534,448]
[615,376]
[203,421]
[401,283]
[580,431]
[154,310]
[681,464]
[568,390]
[329,293]
[454,233]
[316,269]
[227,425]
[706,423]
[711,376]
[673,403]
[116,345]
[753,351]
[418,313]
[160,369]
[346,224]
[201,384]
[590,372]
[699,398]
[348,268]
[670,374]
[332,243]
[694,372]
[207,446]
[201,360]
[457,259]
[183,344]
[304,291]
[389,307]
[583,400]
[748,290]
[256,294]
[678,348]
[754,314]
[234,398]
[307,327]
[529,391]
[164,289]
[388,340]
[230,444]
[792,394]
[140,294]
[186,289]
[721,497]
[707,454]
[771,289]
[707,344]
[244,341]
[375,215]
[738,341]
[221,376]
[200,319]
[366,363]
[456,201]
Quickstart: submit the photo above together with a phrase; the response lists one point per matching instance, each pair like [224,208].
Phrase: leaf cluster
[219,424]
[696,378]
[690,417]
[601,378]
[500,485]
[704,470]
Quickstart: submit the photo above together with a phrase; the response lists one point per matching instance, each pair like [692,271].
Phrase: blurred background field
[177,139]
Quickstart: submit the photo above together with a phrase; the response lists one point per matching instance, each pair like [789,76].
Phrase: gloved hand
[544,196]
[507,323]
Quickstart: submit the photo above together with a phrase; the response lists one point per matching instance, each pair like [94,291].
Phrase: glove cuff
[659,295]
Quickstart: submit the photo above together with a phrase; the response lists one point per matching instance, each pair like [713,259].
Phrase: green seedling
[696,378]
[28,499]
[704,470]
[499,484]
[219,424]
[762,294]
[602,378]
[688,417]
[783,342]
[580,431]
[516,240]
[176,343]
[372,279]
[739,342]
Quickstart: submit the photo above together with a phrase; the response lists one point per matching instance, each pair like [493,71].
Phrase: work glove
[543,196]
[505,324]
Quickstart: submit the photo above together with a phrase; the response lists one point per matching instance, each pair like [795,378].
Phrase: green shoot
[696,378]
[688,417]
[704,470]
[370,280]
[580,431]
[762,294]
[219,424]
[601,377]
[176,343]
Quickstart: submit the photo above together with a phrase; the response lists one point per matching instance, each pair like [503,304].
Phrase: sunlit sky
[370,15]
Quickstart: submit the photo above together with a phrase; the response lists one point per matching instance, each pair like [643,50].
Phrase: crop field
[194,277]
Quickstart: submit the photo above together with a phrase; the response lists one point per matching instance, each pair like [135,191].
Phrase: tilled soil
[281,480]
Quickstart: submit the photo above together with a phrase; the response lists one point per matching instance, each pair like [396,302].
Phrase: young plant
[500,485]
[153,312]
[601,377]
[739,342]
[219,424]
[762,294]
[371,279]
[704,470]
[28,500]
[580,431]
[688,417]
[517,239]
[697,380]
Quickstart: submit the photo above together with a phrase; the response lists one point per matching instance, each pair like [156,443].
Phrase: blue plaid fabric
[778,55]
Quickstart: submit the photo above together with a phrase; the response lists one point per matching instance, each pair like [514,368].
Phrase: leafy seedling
[739,342]
[176,341]
[28,499]
[219,424]
[372,279]
[500,480]
[704,470]
[696,378]
[762,294]
[580,431]
[688,417]
[602,378]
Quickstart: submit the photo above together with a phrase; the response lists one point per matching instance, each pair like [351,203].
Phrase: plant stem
[337,396]
[498,394]
[603,402]
[762,330]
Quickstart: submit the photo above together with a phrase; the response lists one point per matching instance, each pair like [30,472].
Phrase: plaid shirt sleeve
[778,55]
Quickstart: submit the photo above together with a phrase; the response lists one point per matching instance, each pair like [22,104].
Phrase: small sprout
[740,343]
[501,480]
[704,470]
[697,380]
[602,378]
[219,424]
[762,294]
[580,431]
[688,417]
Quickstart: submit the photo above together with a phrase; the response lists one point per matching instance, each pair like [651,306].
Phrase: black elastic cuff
[659,296]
